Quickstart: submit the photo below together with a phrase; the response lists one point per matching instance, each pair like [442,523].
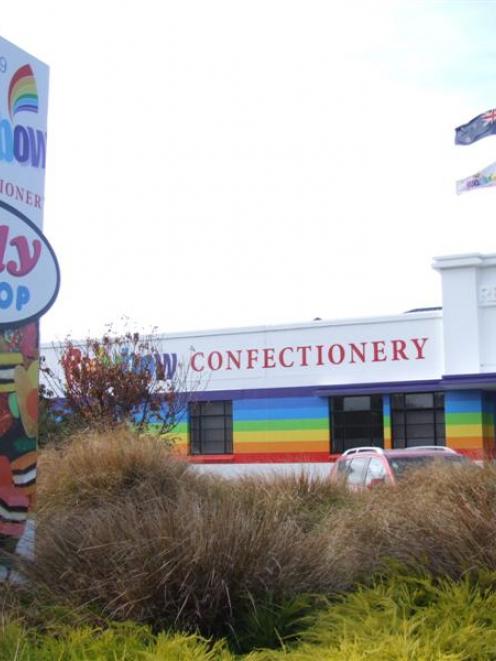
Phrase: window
[356,421]
[418,419]
[211,427]
[356,470]
[375,471]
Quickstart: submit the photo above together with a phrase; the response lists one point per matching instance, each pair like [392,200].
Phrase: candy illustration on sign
[29,271]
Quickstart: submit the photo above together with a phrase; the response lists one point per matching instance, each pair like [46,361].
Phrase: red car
[370,466]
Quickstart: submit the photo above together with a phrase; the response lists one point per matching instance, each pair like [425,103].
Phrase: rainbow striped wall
[470,418]
[180,436]
[386,416]
[298,428]
[282,428]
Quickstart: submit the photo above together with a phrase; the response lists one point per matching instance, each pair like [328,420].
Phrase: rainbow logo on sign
[23,94]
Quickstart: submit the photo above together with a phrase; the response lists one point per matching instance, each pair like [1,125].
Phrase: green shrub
[122,642]
[405,618]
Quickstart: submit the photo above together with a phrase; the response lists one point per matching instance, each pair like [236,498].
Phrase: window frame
[198,415]
[343,421]
[400,419]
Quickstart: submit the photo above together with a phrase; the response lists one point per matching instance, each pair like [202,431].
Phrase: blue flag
[478,128]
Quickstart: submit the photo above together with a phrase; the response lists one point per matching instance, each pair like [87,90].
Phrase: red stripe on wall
[293,457]
[263,458]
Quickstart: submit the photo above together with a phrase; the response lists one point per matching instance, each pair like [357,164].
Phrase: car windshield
[400,465]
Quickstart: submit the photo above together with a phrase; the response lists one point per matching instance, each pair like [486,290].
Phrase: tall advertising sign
[29,278]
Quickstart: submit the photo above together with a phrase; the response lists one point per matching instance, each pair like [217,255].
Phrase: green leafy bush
[405,618]
[123,642]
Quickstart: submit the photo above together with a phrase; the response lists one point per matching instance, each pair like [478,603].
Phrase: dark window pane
[440,417]
[211,427]
[215,422]
[441,434]
[439,400]
[421,432]
[419,400]
[212,408]
[352,426]
[422,423]
[356,403]
[398,401]
[376,403]
[416,417]
[213,447]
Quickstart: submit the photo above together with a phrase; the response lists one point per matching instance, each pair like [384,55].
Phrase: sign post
[29,278]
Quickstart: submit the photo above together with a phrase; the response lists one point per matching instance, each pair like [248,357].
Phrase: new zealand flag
[478,128]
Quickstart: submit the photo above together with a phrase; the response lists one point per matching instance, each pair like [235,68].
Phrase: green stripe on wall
[463,418]
[281,425]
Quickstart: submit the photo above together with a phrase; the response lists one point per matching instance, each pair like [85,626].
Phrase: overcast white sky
[226,163]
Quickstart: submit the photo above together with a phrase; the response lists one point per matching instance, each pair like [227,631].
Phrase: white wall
[469,312]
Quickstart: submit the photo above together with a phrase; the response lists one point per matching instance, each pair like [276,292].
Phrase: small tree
[115,380]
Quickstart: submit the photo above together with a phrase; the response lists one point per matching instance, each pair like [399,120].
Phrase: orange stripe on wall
[294,446]
[469,442]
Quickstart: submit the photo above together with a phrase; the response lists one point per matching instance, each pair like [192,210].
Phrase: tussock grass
[440,520]
[192,561]
[130,532]
[94,467]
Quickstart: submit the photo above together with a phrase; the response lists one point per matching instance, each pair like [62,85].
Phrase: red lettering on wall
[320,360]
[268,355]
[252,358]
[399,347]
[193,361]
[304,355]
[379,355]
[419,344]
[336,354]
[235,360]
[282,354]
[214,360]
[357,352]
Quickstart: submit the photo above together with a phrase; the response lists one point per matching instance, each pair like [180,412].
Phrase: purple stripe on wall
[446,383]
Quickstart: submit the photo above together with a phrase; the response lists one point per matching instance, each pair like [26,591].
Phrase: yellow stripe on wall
[302,435]
[459,431]
[301,446]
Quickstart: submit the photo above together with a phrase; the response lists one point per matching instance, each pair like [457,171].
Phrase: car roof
[420,451]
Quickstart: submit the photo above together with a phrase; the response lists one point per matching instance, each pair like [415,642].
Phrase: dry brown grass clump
[126,527]
[95,466]
[191,561]
[440,520]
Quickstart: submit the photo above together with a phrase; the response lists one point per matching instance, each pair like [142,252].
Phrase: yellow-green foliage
[124,642]
[405,619]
